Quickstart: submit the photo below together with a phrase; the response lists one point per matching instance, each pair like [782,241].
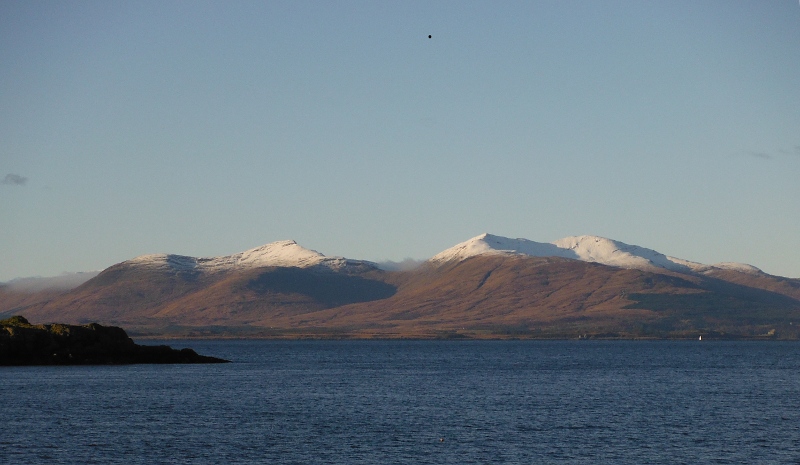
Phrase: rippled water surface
[414,402]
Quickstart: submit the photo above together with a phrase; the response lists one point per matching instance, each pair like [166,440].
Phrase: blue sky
[207,128]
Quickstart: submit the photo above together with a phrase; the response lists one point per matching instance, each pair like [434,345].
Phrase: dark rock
[22,343]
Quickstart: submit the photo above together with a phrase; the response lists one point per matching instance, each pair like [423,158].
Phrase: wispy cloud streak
[761,155]
[777,154]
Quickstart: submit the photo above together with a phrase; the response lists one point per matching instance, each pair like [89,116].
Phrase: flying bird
[429,36]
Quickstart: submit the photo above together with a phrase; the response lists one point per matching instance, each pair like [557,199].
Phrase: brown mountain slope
[266,295]
[494,296]
[120,295]
[778,284]
[483,296]
[502,294]
[14,301]
[143,298]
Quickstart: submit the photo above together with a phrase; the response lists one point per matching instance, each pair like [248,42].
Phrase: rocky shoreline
[22,343]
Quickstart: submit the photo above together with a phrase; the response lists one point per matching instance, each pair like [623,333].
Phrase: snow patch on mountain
[489,244]
[740,267]
[281,253]
[585,248]
[615,253]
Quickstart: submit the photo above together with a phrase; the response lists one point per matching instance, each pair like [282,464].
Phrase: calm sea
[415,402]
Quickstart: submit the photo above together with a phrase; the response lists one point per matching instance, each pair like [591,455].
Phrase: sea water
[415,402]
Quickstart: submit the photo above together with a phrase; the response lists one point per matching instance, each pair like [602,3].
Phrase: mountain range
[486,287]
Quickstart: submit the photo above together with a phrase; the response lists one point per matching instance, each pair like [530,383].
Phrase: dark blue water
[415,402]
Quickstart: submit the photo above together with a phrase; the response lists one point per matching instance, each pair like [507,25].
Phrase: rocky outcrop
[22,343]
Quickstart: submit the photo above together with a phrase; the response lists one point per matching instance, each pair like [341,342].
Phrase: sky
[207,128]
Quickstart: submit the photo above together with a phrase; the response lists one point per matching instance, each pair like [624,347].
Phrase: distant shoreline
[457,337]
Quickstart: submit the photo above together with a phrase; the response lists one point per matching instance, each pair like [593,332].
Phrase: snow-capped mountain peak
[281,253]
[585,248]
[593,249]
[615,253]
[489,244]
